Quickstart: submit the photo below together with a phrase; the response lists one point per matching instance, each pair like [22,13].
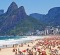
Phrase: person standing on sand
[48,52]
[34,51]
[20,53]
[0,49]
[16,53]
[18,49]
[30,52]
[38,53]
[28,45]
[58,50]
[13,50]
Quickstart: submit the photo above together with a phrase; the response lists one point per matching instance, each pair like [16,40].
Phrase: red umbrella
[38,49]
[46,43]
[24,51]
[43,53]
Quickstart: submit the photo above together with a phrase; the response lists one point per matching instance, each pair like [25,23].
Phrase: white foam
[17,41]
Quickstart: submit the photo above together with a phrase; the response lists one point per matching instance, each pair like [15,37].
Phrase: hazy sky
[32,6]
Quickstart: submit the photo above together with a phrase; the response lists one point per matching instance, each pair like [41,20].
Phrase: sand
[6,51]
[9,51]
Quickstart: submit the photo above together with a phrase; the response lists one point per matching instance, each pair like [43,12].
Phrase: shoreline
[31,43]
[12,42]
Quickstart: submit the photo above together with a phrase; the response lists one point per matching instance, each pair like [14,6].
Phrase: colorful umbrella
[24,51]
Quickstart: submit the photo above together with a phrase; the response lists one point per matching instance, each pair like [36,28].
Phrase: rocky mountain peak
[21,9]
[54,11]
[13,6]
[21,12]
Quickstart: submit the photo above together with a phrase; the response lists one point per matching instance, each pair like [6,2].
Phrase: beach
[41,44]
[9,51]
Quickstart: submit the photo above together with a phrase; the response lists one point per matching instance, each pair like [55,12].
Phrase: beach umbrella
[46,43]
[24,51]
[43,52]
[38,49]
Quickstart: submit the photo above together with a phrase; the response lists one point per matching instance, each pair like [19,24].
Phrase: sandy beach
[31,44]
[9,51]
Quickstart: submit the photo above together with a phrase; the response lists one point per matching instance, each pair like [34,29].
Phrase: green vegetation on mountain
[16,22]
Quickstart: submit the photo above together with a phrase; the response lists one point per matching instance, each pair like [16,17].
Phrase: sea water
[10,40]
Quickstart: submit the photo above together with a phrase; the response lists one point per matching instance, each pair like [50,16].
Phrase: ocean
[10,37]
[10,40]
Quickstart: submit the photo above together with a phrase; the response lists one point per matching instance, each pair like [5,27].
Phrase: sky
[32,6]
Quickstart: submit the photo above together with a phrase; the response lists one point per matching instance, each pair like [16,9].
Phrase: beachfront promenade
[45,46]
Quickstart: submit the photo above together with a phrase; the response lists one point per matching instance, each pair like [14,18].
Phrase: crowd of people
[46,46]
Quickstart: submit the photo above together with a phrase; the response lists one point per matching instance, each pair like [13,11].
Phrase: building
[51,30]
[47,30]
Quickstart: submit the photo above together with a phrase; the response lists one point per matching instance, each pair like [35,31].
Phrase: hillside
[16,22]
[52,18]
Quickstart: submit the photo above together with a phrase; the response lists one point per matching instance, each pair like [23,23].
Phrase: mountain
[51,18]
[1,11]
[54,11]
[16,22]
[38,16]
[12,7]
[53,15]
